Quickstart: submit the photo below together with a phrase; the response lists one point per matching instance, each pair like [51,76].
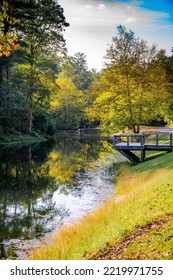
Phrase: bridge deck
[138,146]
[142,142]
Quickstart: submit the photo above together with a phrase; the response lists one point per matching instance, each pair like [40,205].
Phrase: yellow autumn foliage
[8,41]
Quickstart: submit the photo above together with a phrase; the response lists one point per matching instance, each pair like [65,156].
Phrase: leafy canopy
[132,89]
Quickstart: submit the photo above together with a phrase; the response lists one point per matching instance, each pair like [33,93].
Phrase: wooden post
[157,139]
[142,155]
[142,140]
[113,140]
[127,140]
[171,140]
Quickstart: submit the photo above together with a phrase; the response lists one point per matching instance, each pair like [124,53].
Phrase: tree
[133,87]
[44,31]
[43,34]
[82,78]
[8,40]
[24,76]
[67,104]
[168,65]
[35,85]
[76,69]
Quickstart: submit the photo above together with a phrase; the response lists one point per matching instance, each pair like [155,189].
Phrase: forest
[44,90]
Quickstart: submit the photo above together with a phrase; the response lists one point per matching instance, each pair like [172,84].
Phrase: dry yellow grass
[143,194]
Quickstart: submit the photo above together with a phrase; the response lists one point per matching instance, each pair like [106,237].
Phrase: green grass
[11,139]
[153,243]
[144,196]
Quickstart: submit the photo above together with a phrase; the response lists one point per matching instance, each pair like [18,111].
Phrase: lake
[48,185]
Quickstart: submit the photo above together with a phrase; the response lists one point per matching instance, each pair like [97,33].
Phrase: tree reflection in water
[29,176]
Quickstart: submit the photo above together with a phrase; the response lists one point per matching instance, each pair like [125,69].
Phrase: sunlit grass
[11,139]
[153,243]
[144,194]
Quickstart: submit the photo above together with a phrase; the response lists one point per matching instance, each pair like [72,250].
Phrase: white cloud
[101,6]
[130,20]
[88,7]
[93,24]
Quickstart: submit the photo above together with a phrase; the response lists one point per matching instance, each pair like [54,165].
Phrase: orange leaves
[8,42]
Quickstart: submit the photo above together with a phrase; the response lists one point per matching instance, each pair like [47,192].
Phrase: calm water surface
[45,186]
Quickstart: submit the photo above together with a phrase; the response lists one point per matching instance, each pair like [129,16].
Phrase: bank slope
[136,223]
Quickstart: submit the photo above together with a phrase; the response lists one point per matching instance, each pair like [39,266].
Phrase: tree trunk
[1,74]
[1,88]
[2,249]
[30,119]
[136,128]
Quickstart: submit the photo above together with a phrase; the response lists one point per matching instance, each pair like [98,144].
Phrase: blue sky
[93,24]
[159,5]
[155,5]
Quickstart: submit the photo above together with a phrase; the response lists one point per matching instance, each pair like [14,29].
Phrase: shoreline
[139,202]
[19,139]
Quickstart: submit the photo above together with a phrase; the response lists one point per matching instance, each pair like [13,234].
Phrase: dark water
[45,186]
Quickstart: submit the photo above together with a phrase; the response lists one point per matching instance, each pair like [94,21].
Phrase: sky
[93,23]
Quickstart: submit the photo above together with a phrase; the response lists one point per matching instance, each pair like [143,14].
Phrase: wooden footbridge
[134,146]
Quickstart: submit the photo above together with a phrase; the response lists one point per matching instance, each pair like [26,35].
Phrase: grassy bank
[12,139]
[137,223]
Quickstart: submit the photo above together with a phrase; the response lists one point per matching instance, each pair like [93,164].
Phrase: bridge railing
[155,139]
[129,139]
[159,139]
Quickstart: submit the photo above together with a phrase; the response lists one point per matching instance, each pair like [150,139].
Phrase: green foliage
[168,65]
[67,104]
[76,69]
[13,113]
[27,77]
[82,77]
[43,123]
[133,88]
[8,40]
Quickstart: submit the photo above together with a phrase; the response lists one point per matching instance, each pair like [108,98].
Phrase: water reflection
[45,186]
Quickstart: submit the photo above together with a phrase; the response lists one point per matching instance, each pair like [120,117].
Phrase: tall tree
[8,40]
[168,65]
[43,35]
[82,78]
[75,69]
[133,88]
[67,104]
[40,34]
